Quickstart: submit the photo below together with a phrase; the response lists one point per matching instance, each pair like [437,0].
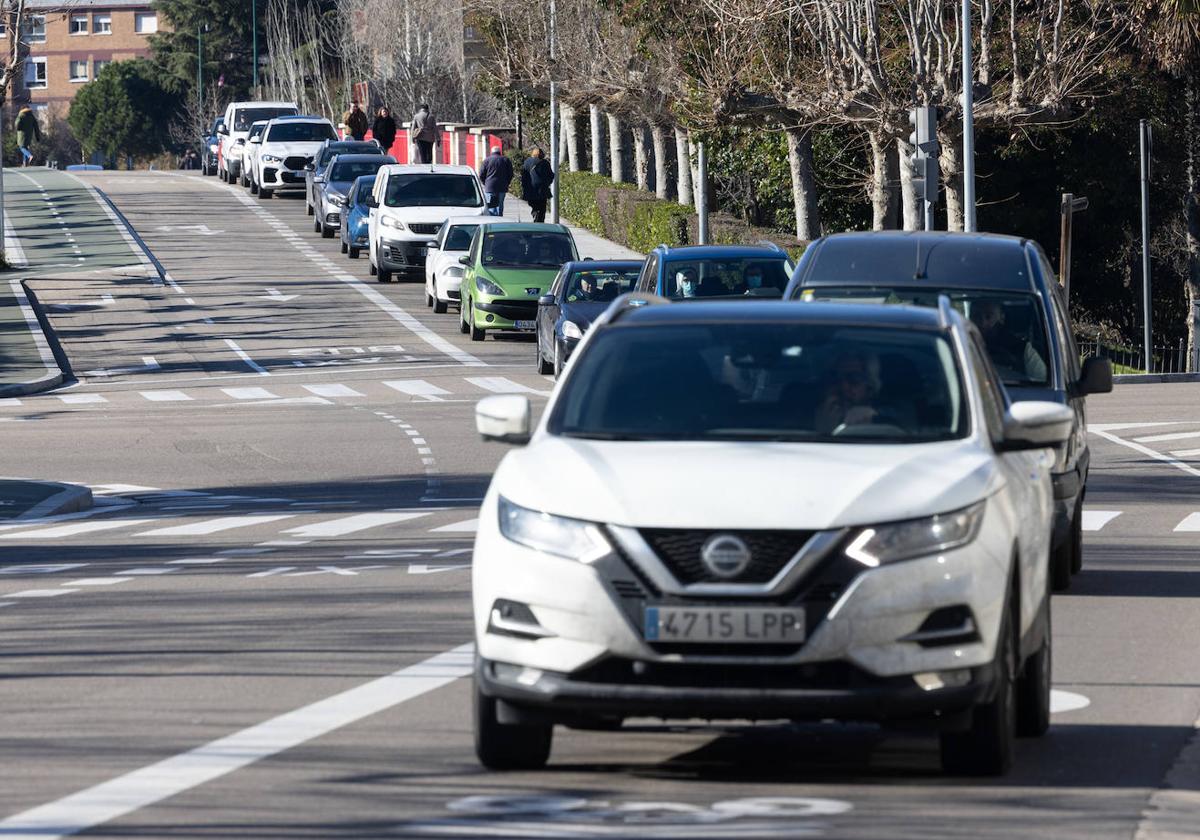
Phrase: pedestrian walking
[28,133]
[384,128]
[496,174]
[356,121]
[424,133]
[537,183]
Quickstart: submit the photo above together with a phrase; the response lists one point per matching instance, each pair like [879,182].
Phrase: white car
[443,271]
[250,155]
[286,147]
[239,116]
[768,511]
[407,207]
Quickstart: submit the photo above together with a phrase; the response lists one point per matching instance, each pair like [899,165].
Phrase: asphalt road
[259,632]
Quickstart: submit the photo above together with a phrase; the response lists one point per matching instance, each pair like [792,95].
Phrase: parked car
[316,170]
[698,271]
[408,205]
[1006,286]
[353,226]
[578,295]
[509,267]
[443,271]
[334,185]
[239,116]
[724,513]
[212,145]
[285,149]
[250,156]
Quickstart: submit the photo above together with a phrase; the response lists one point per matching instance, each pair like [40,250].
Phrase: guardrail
[1167,358]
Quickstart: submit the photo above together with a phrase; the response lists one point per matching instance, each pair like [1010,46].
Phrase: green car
[509,266]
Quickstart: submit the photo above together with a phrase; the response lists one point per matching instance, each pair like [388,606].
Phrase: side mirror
[1035,424]
[371,202]
[432,246]
[241,141]
[465,259]
[1095,378]
[255,140]
[221,129]
[547,300]
[503,418]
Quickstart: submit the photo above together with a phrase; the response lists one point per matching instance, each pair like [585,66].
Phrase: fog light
[490,318]
[516,673]
[512,618]
[936,680]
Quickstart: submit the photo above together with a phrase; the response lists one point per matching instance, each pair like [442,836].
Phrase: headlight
[487,287]
[212,147]
[917,537]
[570,538]
[455,271]
[271,159]
[571,330]
[391,222]
[337,200]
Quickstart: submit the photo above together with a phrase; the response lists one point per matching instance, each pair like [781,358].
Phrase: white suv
[407,207]
[286,147]
[443,271]
[250,155]
[764,511]
[239,116]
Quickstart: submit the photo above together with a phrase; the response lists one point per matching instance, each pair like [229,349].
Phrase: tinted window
[344,148]
[763,381]
[459,237]
[893,260]
[599,285]
[300,132]
[523,248]
[244,117]
[362,191]
[349,170]
[740,276]
[1011,322]
[432,189]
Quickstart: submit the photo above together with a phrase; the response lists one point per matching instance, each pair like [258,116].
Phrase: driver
[685,283]
[849,398]
[752,279]
[1007,349]
[587,287]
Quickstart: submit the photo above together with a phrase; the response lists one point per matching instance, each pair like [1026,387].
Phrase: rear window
[300,132]
[432,189]
[986,264]
[527,249]
[599,285]
[243,118]
[459,237]
[733,277]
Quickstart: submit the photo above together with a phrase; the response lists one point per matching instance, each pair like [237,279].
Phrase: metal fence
[1168,358]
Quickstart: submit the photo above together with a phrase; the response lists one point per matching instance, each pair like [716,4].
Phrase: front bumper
[566,346]
[448,287]
[503,313]
[403,254]
[278,179]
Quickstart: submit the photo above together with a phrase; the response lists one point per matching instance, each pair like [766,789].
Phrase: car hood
[517,280]
[285,149]
[745,485]
[582,313]
[339,187]
[422,215]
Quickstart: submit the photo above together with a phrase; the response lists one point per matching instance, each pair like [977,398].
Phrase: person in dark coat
[424,134]
[537,183]
[356,122]
[384,129]
[496,174]
[28,133]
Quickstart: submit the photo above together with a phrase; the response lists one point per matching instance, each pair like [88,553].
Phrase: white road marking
[1066,701]
[250,393]
[74,529]
[332,391]
[38,593]
[348,571]
[417,388]
[165,396]
[241,354]
[148,570]
[40,568]
[125,794]
[9,402]
[213,526]
[1116,427]
[278,570]
[350,524]
[1167,436]
[420,569]
[1153,453]
[1094,520]
[197,561]
[76,399]
[1191,522]
[466,526]
[500,385]
[97,581]
[284,543]
[1185,453]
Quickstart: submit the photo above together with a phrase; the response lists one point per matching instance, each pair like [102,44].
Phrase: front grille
[679,551]
[296,162]
[424,228]
[453,294]
[818,676]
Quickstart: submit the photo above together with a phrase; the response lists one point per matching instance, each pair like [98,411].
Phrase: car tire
[254,188]
[543,367]
[1076,539]
[309,210]
[986,748]
[327,232]
[316,225]
[353,253]
[381,273]
[506,746]
[477,334]
[1060,565]
[440,306]
[1033,687]
[559,364]
[462,319]
[428,297]
[264,193]
[345,247]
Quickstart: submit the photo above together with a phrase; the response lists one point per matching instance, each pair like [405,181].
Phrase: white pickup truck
[239,116]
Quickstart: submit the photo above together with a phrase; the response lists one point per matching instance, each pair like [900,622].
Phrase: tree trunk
[683,168]
[952,182]
[804,187]
[565,115]
[571,130]
[662,165]
[694,163]
[598,156]
[616,148]
[641,162]
[1192,216]
[913,212]
[883,179]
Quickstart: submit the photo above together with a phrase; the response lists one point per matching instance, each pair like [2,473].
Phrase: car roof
[437,168]
[531,227]
[475,220]
[603,265]
[359,157]
[364,178]
[945,259]
[699,252]
[893,316]
[348,144]
[256,103]
[300,118]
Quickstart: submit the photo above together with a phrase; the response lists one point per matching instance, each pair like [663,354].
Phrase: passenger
[849,400]
[1008,350]
[685,283]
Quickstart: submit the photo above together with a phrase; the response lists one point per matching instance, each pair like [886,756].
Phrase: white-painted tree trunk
[662,163]
[883,168]
[616,148]
[804,186]
[641,162]
[565,115]
[683,168]
[693,163]
[597,148]
[952,183]
[913,214]
[571,131]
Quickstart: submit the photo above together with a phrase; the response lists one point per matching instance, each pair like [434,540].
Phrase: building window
[79,70]
[79,25]
[99,65]
[35,29]
[145,22]
[35,73]
[102,24]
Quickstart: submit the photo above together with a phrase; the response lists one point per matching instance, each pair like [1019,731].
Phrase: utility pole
[1070,206]
[925,159]
[254,39]
[968,97]
[200,87]
[702,190]
[553,115]
[1145,141]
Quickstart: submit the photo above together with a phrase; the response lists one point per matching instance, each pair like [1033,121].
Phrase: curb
[1144,378]
[71,498]
[48,346]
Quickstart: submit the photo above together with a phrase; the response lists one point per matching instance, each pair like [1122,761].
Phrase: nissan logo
[725,555]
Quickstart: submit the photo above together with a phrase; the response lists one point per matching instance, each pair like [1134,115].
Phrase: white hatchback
[443,271]
[768,511]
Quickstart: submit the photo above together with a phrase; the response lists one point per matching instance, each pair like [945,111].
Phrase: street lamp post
[200,89]
[968,97]
[553,115]
[254,39]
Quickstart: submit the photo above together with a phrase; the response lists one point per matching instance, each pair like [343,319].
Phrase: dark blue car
[716,271]
[581,291]
[353,223]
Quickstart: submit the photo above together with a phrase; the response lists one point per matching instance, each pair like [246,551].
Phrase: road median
[27,360]
[30,499]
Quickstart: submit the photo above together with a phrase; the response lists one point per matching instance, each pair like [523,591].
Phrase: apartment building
[68,42]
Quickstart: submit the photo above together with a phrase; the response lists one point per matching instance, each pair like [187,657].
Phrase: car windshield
[764,381]
[527,248]
[459,237]
[256,130]
[599,285]
[730,277]
[351,169]
[1010,322]
[432,189]
[300,132]
[343,148]
[244,117]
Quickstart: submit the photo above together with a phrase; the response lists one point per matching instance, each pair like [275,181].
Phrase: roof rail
[945,312]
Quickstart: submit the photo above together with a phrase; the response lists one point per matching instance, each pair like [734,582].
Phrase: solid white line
[72,530]
[1191,522]
[1094,520]
[97,581]
[13,252]
[241,354]
[213,526]
[350,524]
[35,329]
[250,393]
[1116,427]
[1185,453]
[332,391]
[1168,436]
[140,788]
[165,396]
[467,525]
[417,388]
[500,385]
[38,593]
[1145,450]
[148,570]
[78,399]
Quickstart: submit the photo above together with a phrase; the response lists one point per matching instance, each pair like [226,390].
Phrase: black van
[1006,286]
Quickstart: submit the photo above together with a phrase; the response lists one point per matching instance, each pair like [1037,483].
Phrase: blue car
[716,271]
[353,222]
[581,291]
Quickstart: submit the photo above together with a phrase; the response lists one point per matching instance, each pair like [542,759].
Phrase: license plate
[525,325]
[735,625]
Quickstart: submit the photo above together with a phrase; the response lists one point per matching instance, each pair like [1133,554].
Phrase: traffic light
[925,159]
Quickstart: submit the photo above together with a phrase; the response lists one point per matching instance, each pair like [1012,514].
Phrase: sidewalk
[589,244]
